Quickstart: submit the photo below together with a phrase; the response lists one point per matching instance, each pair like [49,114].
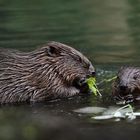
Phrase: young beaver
[127,85]
[53,71]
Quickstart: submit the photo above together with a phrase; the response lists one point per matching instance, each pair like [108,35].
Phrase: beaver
[52,71]
[127,84]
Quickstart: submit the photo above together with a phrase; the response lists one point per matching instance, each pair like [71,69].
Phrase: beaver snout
[92,74]
[81,84]
[92,71]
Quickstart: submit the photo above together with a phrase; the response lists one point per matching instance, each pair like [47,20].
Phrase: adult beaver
[52,71]
[127,84]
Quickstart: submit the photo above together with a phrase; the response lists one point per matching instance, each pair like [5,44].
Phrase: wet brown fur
[43,74]
[127,84]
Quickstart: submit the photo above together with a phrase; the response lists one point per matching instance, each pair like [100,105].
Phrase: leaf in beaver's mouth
[92,86]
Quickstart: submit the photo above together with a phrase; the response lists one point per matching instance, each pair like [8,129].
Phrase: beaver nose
[123,88]
[93,73]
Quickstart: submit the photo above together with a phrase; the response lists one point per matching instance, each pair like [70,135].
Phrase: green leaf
[92,86]
[111,79]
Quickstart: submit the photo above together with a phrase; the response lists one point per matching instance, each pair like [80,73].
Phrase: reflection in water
[106,31]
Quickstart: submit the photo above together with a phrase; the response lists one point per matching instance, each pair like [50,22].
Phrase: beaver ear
[52,51]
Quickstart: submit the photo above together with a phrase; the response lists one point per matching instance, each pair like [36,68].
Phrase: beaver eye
[79,59]
[135,77]
[52,51]
[86,65]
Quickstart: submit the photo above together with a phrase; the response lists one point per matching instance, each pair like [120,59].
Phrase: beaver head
[53,71]
[127,84]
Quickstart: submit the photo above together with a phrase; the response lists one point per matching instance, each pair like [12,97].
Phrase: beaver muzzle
[81,84]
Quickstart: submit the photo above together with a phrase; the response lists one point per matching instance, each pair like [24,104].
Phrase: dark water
[107,32]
